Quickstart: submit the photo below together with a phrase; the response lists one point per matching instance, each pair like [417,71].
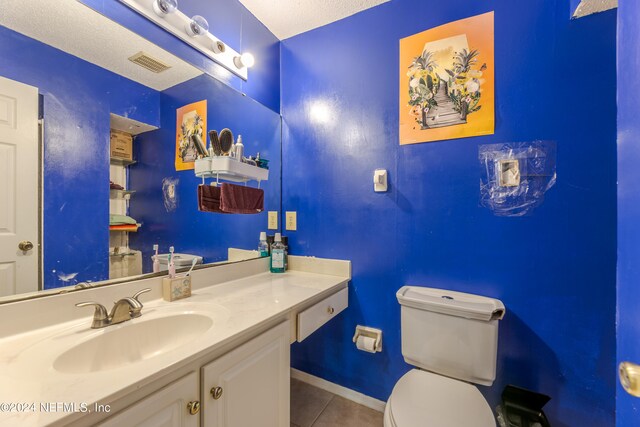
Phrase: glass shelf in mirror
[122,162]
[123,254]
[121,194]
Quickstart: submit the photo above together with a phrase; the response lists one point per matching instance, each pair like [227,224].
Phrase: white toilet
[452,339]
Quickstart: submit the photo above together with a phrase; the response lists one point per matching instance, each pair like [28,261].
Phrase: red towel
[241,199]
[209,198]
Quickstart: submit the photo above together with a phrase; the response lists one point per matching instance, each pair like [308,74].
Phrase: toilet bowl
[425,399]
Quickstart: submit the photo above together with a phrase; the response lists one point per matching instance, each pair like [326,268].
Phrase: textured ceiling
[286,18]
[72,27]
[589,7]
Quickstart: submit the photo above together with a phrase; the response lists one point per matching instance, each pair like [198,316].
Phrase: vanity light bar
[177,23]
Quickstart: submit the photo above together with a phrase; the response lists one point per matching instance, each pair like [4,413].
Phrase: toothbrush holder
[176,288]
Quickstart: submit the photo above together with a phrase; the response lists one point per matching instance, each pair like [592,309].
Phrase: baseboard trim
[347,393]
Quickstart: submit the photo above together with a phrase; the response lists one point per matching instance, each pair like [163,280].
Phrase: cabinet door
[168,407]
[249,386]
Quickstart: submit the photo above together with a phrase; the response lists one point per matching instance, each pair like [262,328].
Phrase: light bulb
[198,26]
[165,7]
[218,47]
[248,60]
[245,60]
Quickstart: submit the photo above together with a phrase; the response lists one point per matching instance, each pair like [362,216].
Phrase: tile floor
[311,406]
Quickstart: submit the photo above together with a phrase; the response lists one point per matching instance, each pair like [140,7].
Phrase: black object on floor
[522,408]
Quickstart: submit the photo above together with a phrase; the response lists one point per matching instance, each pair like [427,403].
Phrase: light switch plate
[292,221]
[273,220]
[380,184]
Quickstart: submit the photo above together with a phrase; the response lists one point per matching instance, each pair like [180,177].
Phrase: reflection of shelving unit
[123,261]
[122,162]
[121,194]
[115,230]
[122,255]
[229,169]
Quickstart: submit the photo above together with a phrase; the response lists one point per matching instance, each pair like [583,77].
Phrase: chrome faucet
[124,309]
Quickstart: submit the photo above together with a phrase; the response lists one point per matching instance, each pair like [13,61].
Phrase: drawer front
[317,315]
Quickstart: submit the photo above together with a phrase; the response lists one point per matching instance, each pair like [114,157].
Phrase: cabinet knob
[629,374]
[330,310]
[216,393]
[25,246]
[193,407]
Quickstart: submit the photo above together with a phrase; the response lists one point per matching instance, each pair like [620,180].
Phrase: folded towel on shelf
[121,219]
[114,186]
[241,199]
[124,227]
[209,198]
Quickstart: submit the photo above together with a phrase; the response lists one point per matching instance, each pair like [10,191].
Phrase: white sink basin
[131,342]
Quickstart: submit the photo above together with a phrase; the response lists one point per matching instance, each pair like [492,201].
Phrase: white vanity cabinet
[247,386]
[232,337]
[250,385]
[176,405]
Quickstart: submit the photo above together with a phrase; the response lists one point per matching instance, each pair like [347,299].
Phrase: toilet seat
[425,399]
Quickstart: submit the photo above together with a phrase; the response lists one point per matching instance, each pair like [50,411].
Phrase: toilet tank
[450,333]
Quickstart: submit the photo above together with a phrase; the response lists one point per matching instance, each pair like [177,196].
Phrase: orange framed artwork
[191,120]
[447,87]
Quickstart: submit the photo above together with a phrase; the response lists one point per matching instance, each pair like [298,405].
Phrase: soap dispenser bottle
[263,246]
[277,255]
[239,149]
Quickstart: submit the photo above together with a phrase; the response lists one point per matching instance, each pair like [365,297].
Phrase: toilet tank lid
[452,303]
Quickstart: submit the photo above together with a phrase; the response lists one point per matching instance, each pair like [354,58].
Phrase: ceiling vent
[151,64]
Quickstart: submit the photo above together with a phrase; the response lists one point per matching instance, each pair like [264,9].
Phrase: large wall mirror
[69,91]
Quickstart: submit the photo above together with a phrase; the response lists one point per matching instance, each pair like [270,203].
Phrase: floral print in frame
[447,81]
[191,120]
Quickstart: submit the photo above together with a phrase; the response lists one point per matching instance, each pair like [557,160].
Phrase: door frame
[41,134]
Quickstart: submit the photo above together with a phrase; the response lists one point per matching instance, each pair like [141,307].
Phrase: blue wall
[628,407]
[78,97]
[555,270]
[190,231]
[230,21]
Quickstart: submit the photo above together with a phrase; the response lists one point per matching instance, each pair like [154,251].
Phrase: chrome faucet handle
[136,312]
[140,292]
[82,285]
[125,309]
[100,316]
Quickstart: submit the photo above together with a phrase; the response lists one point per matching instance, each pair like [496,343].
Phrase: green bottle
[277,255]
[263,247]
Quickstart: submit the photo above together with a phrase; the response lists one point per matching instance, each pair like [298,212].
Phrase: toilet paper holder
[370,333]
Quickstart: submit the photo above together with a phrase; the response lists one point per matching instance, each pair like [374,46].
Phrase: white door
[176,405]
[19,167]
[249,386]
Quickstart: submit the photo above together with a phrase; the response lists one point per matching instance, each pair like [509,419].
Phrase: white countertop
[237,308]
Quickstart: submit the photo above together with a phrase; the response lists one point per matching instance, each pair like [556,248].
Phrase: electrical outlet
[292,221]
[273,220]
